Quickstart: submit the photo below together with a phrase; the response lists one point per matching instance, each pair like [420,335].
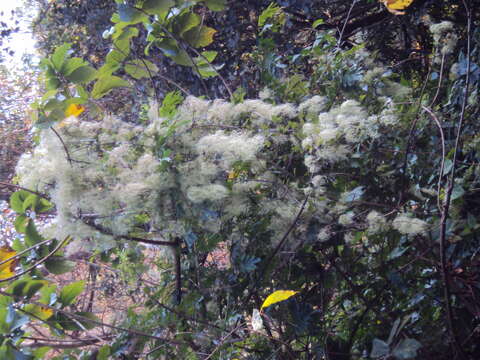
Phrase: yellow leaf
[38,312]
[74,110]
[398,4]
[232,175]
[277,296]
[45,312]
[395,6]
[7,269]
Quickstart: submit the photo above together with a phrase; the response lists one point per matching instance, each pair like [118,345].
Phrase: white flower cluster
[408,225]
[444,38]
[377,78]
[332,135]
[230,148]
[377,223]
[212,162]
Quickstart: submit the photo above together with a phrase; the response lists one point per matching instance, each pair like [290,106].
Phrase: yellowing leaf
[277,296]
[232,175]
[395,6]
[7,269]
[45,312]
[398,4]
[74,110]
[38,312]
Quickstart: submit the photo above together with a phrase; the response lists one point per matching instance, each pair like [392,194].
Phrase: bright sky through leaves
[21,42]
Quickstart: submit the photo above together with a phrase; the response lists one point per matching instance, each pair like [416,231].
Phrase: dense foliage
[327,209]
[17,91]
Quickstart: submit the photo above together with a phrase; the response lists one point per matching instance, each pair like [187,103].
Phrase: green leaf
[17,287]
[170,48]
[199,36]
[82,92]
[108,68]
[158,7]
[48,95]
[130,15]
[70,292]
[114,57]
[20,223]
[30,202]
[239,95]
[43,122]
[16,320]
[126,33]
[105,84]
[457,192]
[141,69]
[182,58]
[74,100]
[52,104]
[52,83]
[32,287]
[4,325]
[88,324]
[204,67]
[215,5]
[207,71]
[103,353]
[121,43]
[71,65]
[41,352]
[58,265]
[208,57]
[32,236]
[56,114]
[317,22]
[67,323]
[17,245]
[170,104]
[43,205]
[184,22]
[82,75]
[59,56]
[47,294]
[17,199]
[267,14]
[76,324]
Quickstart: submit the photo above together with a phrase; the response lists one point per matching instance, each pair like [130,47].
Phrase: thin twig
[63,144]
[105,231]
[96,322]
[66,344]
[448,196]
[442,164]
[24,251]
[287,233]
[440,78]
[39,262]
[222,341]
[186,317]
[410,139]
[339,42]
[186,92]
[46,197]
[215,70]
